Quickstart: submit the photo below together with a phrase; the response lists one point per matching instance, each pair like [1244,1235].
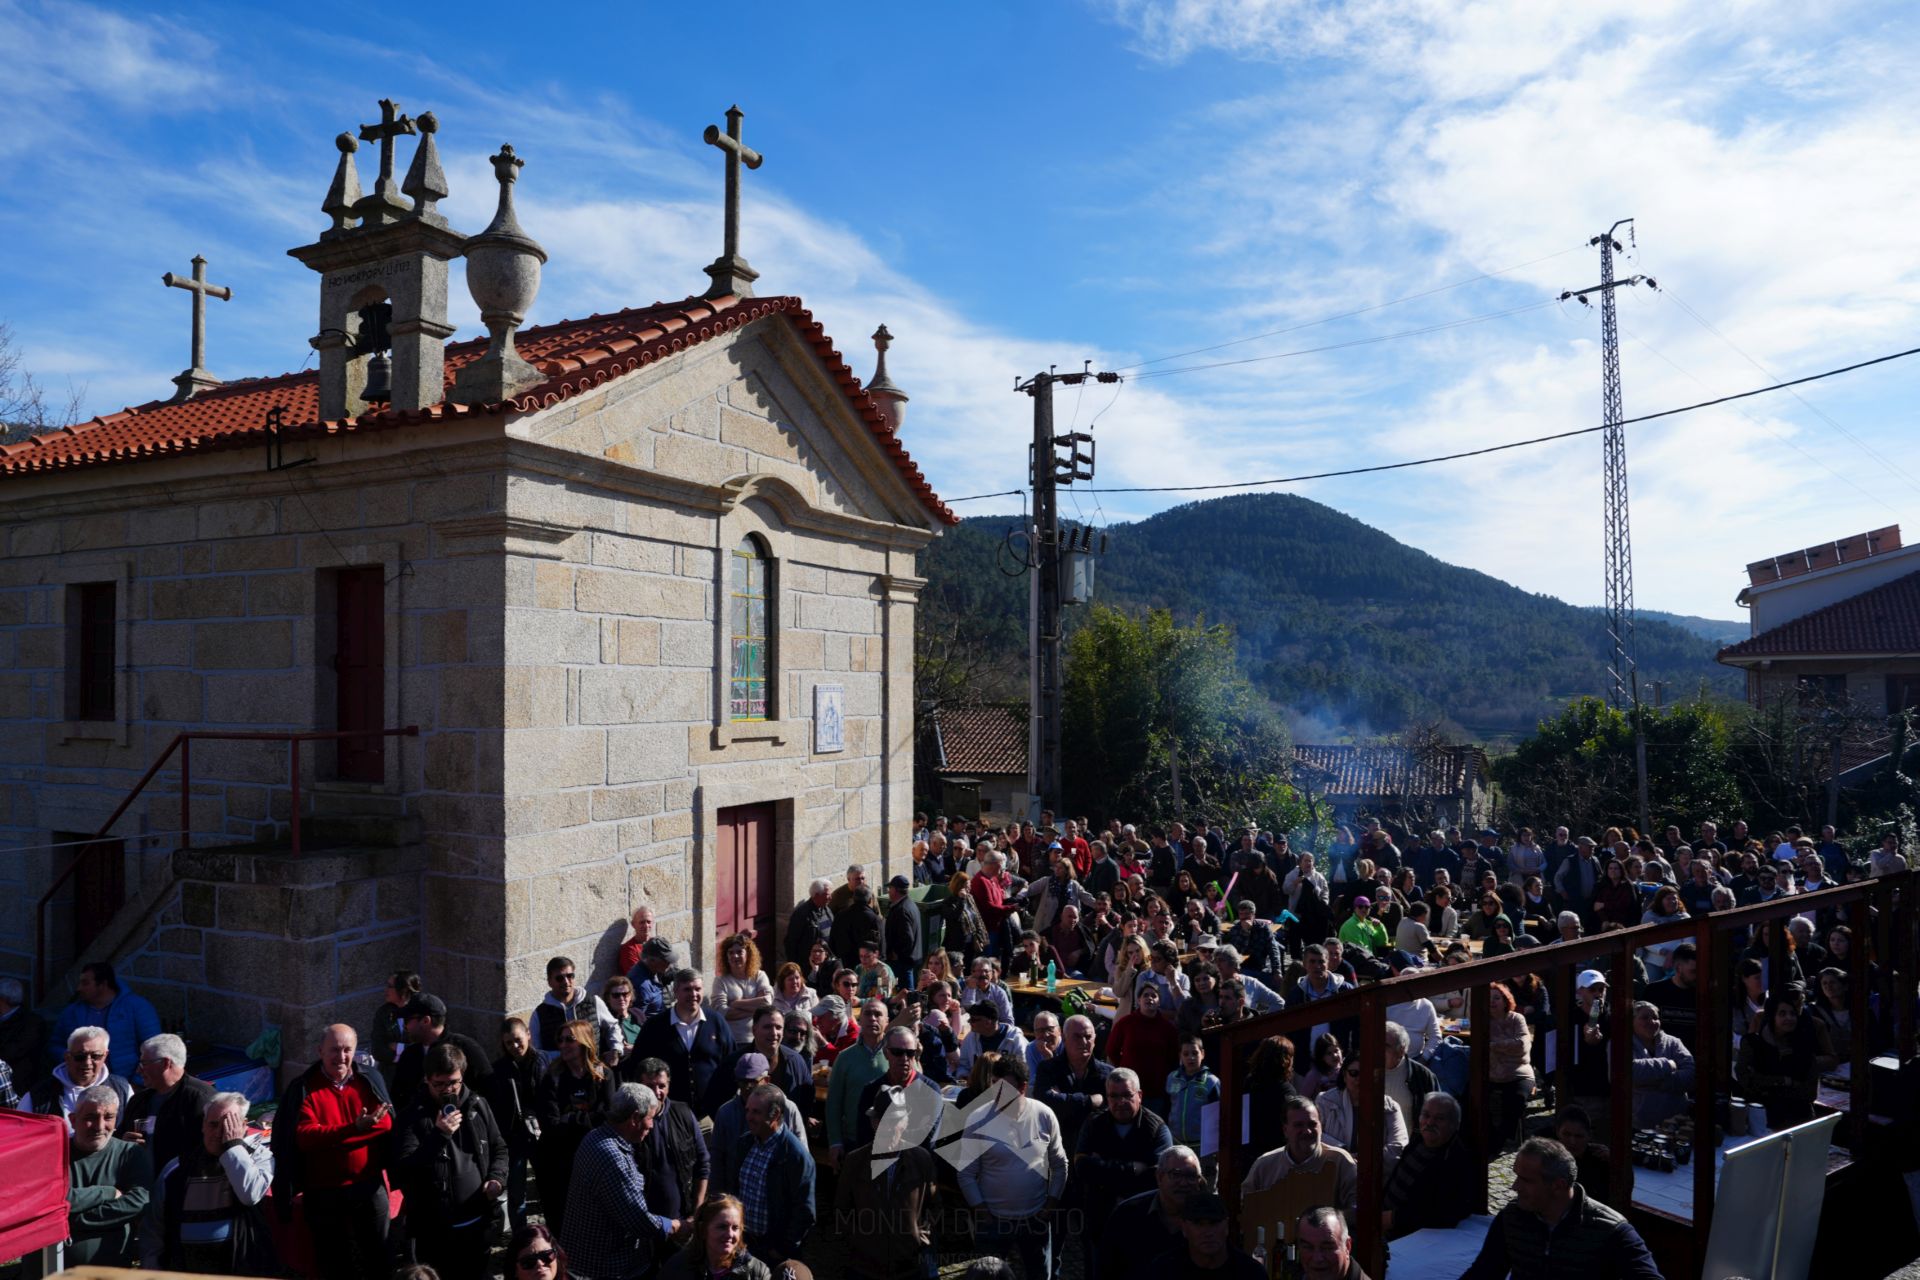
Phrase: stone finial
[891,399]
[503,275]
[344,194]
[426,181]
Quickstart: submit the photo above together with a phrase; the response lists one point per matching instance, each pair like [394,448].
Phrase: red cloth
[337,1152]
[629,956]
[1149,1047]
[1082,855]
[33,1192]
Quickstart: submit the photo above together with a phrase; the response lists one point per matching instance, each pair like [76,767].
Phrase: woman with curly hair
[740,989]
[717,1249]
[533,1254]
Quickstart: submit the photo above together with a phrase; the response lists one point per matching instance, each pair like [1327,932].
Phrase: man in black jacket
[693,1045]
[1118,1149]
[165,1117]
[1432,1184]
[673,1158]
[426,1022]
[903,930]
[451,1159]
[1553,1230]
[1143,1227]
[811,919]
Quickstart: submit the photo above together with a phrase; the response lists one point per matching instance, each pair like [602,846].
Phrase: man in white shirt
[1014,1168]
[1302,872]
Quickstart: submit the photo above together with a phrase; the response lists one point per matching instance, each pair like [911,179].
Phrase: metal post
[1368,1140]
[1620,1073]
[294,768]
[1479,1062]
[1862,1017]
[186,793]
[1707,1052]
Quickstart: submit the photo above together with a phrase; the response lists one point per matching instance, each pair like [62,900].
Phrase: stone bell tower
[383,277]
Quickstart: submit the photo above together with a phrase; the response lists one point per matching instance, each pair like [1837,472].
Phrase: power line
[1352,342]
[1513,444]
[1761,423]
[1358,311]
[1808,404]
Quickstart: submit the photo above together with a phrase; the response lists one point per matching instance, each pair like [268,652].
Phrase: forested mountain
[1344,628]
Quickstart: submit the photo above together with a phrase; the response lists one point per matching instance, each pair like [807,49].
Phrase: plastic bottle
[1053,978]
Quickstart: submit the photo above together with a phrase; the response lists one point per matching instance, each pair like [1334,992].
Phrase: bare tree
[24,407]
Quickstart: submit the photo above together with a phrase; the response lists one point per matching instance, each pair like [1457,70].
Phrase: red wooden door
[99,885]
[744,862]
[360,671]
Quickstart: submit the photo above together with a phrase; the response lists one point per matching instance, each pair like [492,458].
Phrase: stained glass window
[751,654]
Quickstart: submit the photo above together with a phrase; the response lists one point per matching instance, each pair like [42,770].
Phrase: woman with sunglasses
[536,1254]
[718,1246]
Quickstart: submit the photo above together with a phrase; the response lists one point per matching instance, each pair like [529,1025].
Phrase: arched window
[750,651]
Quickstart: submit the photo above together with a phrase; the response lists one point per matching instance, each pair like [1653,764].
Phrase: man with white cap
[1591,1080]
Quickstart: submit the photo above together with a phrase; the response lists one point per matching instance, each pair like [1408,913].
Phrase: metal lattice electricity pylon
[1617,533]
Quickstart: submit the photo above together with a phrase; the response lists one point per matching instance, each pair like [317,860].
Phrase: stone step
[344,799]
[360,829]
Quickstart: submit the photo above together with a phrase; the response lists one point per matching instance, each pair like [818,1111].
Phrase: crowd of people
[899,1074]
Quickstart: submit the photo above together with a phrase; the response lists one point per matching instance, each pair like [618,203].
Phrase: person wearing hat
[988,1030]
[425,1018]
[884,1198]
[652,979]
[1205,1250]
[1261,998]
[729,1140]
[1360,930]
[1591,1086]
[903,931]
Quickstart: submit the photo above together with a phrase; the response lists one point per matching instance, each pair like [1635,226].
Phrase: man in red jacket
[990,889]
[343,1119]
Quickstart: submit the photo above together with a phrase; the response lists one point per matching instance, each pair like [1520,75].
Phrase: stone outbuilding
[638,587]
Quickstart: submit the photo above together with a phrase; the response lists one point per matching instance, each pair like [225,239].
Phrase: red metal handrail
[184,741]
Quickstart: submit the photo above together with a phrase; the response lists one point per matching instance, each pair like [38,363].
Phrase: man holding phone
[330,1144]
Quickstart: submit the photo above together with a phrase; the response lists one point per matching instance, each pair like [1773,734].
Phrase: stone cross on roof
[196,379]
[385,202]
[730,272]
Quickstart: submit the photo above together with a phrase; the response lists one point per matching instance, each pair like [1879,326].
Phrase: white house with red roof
[1836,625]
[636,591]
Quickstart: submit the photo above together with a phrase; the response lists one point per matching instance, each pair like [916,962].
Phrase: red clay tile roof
[1389,771]
[1885,619]
[576,356]
[983,738]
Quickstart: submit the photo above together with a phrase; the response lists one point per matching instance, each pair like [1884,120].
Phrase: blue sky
[1014,185]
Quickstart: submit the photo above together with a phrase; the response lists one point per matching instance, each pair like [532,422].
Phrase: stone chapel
[615,610]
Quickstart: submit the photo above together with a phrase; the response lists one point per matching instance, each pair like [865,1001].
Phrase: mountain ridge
[1350,631]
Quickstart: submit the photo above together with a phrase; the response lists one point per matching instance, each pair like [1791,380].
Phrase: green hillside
[1342,626]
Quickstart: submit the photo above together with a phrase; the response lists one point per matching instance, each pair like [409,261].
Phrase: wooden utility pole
[1048,468]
